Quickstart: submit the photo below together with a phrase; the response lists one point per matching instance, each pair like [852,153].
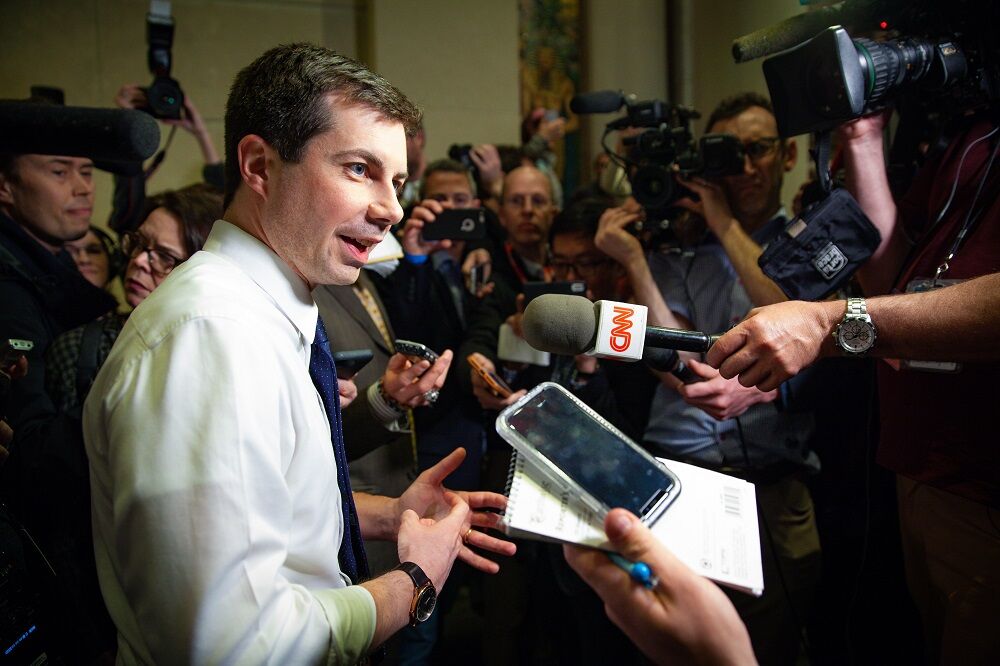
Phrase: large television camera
[935,57]
[662,149]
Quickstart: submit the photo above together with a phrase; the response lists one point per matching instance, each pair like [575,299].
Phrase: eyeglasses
[536,200]
[90,249]
[761,148]
[581,267]
[161,262]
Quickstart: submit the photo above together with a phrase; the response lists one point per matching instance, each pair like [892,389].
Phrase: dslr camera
[164,96]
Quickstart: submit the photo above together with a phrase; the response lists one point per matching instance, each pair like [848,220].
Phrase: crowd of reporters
[793,439]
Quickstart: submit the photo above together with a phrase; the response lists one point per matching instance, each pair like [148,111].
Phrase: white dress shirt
[216,511]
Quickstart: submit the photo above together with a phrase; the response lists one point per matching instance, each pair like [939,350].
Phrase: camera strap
[821,156]
[970,218]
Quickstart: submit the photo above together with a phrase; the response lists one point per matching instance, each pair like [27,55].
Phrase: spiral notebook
[711,526]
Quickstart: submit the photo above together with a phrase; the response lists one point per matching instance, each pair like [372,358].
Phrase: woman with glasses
[175,227]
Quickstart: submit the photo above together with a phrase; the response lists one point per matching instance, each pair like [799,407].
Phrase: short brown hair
[280,97]
[734,105]
[196,207]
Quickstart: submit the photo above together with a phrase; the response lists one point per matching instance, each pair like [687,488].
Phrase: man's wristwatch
[424,594]
[856,333]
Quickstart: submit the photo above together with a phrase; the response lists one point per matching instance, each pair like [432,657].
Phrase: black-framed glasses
[581,267]
[761,148]
[161,262]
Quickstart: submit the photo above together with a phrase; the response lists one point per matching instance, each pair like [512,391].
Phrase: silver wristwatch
[856,333]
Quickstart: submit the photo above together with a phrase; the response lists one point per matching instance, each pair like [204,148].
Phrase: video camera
[944,53]
[665,148]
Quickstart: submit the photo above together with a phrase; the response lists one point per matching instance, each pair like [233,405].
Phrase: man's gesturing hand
[775,342]
[684,619]
[429,499]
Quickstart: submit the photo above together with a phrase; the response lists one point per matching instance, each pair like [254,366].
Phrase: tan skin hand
[719,397]
[481,390]
[406,382]
[684,619]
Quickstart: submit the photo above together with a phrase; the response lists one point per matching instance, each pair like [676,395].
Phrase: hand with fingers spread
[409,383]
[423,214]
[719,397]
[775,342]
[434,543]
[430,500]
[685,619]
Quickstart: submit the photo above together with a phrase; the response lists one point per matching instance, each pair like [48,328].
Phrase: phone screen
[601,462]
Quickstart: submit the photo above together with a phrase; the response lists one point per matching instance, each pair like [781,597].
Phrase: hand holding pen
[671,613]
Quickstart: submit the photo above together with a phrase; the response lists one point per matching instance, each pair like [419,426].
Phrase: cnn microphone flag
[621,330]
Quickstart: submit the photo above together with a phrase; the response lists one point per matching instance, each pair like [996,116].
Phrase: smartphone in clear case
[576,448]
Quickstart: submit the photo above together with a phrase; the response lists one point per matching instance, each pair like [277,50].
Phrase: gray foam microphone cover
[560,324]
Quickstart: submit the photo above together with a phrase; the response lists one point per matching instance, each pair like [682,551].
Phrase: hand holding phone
[496,385]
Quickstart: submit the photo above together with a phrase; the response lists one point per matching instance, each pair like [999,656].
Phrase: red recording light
[883,24]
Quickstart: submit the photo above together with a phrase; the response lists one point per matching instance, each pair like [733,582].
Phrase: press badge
[916,287]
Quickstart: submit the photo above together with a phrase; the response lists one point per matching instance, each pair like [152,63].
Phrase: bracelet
[415,259]
[388,399]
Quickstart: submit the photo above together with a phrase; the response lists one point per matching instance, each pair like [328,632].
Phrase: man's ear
[791,154]
[253,154]
[6,187]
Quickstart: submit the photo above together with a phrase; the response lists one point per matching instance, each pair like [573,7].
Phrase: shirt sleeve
[203,511]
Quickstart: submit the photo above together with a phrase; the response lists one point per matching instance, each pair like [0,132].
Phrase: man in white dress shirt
[216,507]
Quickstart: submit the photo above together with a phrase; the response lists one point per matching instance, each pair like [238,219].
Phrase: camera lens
[652,186]
[888,65]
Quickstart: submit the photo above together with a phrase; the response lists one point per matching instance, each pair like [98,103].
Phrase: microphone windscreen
[117,135]
[602,101]
[560,324]
[786,34]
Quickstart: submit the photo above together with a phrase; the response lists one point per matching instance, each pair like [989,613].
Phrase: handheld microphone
[602,101]
[112,135]
[571,325]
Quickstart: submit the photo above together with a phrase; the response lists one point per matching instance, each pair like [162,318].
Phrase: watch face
[426,601]
[856,335]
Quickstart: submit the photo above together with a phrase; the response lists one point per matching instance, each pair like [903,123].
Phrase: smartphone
[350,362]
[475,279]
[533,290]
[12,350]
[578,449]
[498,386]
[457,224]
[415,350]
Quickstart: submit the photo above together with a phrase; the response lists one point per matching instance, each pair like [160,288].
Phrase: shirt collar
[288,291]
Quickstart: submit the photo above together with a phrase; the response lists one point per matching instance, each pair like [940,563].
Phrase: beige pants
[951,548]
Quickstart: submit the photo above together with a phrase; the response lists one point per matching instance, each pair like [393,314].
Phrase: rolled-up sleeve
[216,507]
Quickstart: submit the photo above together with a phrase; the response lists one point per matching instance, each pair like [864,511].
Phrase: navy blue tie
[323,371]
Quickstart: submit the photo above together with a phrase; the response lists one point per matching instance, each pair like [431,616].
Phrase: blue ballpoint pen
[639,571]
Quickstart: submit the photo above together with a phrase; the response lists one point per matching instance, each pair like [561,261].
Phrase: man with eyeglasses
[709,283]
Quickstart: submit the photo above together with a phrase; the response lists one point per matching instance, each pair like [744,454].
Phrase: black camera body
[664,150]
[939,57]
[164,96]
